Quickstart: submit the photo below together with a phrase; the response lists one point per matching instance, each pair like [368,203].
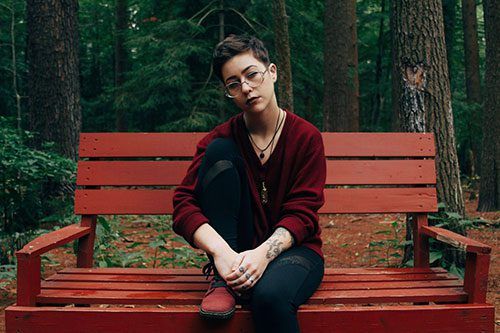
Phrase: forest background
[145,66]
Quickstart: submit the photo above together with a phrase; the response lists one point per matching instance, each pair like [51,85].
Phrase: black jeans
[292,277]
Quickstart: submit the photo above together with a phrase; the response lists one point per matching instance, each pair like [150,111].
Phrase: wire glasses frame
[254,79]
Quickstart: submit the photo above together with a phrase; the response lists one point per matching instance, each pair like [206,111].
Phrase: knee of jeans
[271,301]
[221,148]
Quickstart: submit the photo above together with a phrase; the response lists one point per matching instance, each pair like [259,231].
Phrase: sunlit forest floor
[349,241]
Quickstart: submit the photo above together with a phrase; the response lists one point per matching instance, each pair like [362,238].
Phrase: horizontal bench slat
[339,200]
[201,279]
[95,145]
[156,286]
[449,318]
[138,144]
[49,296]
[197,271]
[339,172]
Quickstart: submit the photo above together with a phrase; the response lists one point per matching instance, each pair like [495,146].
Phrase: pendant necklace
[264,198]
[262,155]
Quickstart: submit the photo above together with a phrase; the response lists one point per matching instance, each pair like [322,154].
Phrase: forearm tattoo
[280,241]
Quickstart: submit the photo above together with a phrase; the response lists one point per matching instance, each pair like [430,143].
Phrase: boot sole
[216,315]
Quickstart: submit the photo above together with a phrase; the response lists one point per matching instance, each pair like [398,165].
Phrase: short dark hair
[233,45]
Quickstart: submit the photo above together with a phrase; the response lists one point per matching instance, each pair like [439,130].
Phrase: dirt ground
[346,244]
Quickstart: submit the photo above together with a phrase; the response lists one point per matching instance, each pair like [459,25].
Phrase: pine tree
[341,92]
[53,76]
[489,192]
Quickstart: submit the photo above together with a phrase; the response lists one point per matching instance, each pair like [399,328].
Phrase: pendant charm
[263,193]
[261,155]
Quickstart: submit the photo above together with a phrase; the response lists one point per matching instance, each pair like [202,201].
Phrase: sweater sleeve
[187,215]
[299,212]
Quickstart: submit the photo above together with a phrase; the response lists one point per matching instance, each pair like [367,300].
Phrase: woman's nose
[245,87]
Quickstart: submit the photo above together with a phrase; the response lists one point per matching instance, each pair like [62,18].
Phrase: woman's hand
[247,269]
[223,261]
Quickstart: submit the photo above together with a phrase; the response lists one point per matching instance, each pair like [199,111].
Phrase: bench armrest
[29,260]
[477,261]
[53,239]
[456,240]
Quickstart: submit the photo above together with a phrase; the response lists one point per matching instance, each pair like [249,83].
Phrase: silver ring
[251,280]
[241,269]
[248,276]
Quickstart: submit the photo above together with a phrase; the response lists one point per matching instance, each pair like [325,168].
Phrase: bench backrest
[136,173]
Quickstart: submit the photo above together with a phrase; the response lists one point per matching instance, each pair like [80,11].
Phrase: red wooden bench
[369,173]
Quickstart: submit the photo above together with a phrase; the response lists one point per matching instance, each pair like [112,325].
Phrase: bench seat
[348,300]
[187,286]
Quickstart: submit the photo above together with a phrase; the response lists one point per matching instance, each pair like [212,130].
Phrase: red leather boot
[219,301]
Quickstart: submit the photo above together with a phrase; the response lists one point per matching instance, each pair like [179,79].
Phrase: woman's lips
[252,100]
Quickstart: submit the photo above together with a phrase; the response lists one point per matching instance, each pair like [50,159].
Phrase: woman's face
[245,68]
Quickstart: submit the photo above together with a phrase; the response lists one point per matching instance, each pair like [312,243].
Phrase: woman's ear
[274,71]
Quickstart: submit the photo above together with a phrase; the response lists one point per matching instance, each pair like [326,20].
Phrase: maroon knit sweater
[294,176]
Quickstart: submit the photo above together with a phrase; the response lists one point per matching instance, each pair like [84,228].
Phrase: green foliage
[27,180]
[387,251]
[158,251]
[25,175]
[106,251]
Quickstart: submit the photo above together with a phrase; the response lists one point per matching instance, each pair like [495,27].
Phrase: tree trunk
[13,50]
[472,82]
[341,84]
[419,59]
[422,93]
[489,192]
[281,40]
[471,49]
[377,103]
[450,19]
[120,58]
[53,77]
[222,35]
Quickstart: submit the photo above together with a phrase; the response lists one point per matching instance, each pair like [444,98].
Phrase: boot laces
[217,280]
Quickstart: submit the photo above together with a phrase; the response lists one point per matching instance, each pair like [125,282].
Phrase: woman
[251,195]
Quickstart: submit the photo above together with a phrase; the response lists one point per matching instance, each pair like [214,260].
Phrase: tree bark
[222,35]
[13,50]
[489,192]
[471,49]
[120,58]
[420,74]
[281,39]
[53,77]
[377,103]
[472,81]
[341,84]
[450,19]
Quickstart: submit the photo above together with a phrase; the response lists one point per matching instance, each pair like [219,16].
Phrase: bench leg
[85,256]
[28,279]
[420,242]
[476,276]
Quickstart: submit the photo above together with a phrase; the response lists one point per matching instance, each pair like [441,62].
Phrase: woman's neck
[262,123]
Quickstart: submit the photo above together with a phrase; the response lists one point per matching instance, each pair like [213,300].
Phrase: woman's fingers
[245,280]
[237,261]
[249,282]
[237,268]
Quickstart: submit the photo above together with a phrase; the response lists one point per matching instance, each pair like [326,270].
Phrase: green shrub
[28,178]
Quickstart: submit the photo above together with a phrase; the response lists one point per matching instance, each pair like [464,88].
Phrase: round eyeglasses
[252,78]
